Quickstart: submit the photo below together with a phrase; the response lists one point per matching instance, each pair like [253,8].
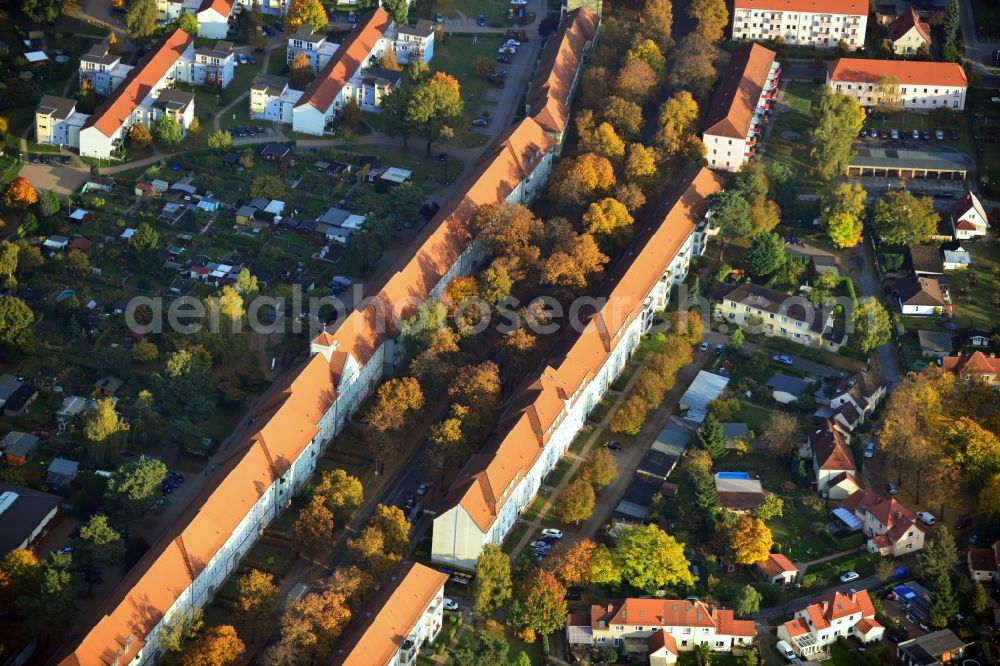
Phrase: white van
[786,650]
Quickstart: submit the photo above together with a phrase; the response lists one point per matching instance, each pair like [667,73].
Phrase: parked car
[539,545]
[953,135]
[480,122]
[450,604]
[939,135]
[40,434]
[422,489]
[64,159]
[965,521]
[944,194]
[613,446]
[705,346]
[870,450]
[891,488]
[409,499]
[552,532]
[894,134]
[782,358]
[242,58]
[925,517]
[915,134]
[849,576]
[719,348]
[519,3]
[786,650]
[65,550]
[481,21]
[925,135]
[504,59]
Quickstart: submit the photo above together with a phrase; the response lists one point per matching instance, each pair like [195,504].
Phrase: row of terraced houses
[260,473]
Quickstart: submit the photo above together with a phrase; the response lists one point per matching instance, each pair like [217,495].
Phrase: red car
[40,434]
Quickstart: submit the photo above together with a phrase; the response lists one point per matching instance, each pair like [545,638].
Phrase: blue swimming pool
[732,475]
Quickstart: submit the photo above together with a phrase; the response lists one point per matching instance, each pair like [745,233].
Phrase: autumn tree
[218,646]
[838,119]
[631,416]
[780,435]
[542,603]
[600,469]
[20,574]
[492,586]
[631,196]
[640,166]
[677,121]
[396,401]
[693,65]
[342,493]
[843,207]
[483,67]
[312,531]
[300,71]
[435,104]
[576,501]
[571,565]
[383,542]
[310,628]
[139,136]
[636,82]
[872,327]
[104,429]
[571,262]
[576,181]
[648,559]
[267,186]
[712,17]
[989,496]
[765,215]
[257,601]
[606,217]
[20,193]
[308,12]
[899,218]
[647,51]
[603,140]
[749,540]
[478,388]
[506,230]
[625,116]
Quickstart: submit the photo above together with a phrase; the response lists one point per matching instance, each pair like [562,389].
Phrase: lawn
[557,474]
[973,293]
[791,125]
[842,360]
[755,417]
[514,537]
[600,411]
[581,440]
[984,116]
[279,60]
[455,55]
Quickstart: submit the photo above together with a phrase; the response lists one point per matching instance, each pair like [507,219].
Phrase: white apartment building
[315,46]
[57,121]
[772,312]
[740,107]
[819,23]
[538,427]
[406,612]
[213,18]
[415,42]
[923,85]
[662,628]
[272,99]
[104,71]
[830,617]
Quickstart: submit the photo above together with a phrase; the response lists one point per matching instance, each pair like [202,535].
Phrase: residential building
[679,626]
[213,18]
[909,35]
[314,45]
[938,647]
[891,528]
[213,65]
[57,121]
[404,613]
[103,70]
[20,400]
[415,42]
[832,461]
[856,397]
[978,337]
[968,218]
[984,563]
[819,23]
[954,257]
[760,309]
[935,344]
[342,79]
[926,261]
[18,447]
[831,616]
[289,431]
[740,107]
[779,570]
[977,365]
[738,492]
[25,516]
[551,93]
[923,85]
[544,416]
[272,99]
[921,296]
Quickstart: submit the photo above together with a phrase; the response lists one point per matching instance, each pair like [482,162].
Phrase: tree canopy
[838,119]
[899,218]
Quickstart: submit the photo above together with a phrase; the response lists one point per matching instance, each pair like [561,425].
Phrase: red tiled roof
[850,7]
[907,21]
[969,202]
[735,99]
[117,108]
[859,501]
[348,59]
[223,7]
[660,639]
[908,72]
[830,449]
[976,363]
[776,564]
[817,616]
[888,511]
[549,96]
[881,541]
[796,627]
[669,613]
[866,624]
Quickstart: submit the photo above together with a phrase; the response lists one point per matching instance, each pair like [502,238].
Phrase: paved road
[804,364]
[862,266]
[977,50]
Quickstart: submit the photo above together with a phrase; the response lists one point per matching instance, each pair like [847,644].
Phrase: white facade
[212,24]
[315,46]
[729,153]
[968,218]
[914,95]
[413,43]
[801,27]
[103,71]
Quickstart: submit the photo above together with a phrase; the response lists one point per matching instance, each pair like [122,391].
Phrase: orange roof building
[779,569]
[968,217]
[831,458]
[558,72]
[908,34]
[667,624]
[976,365]
[403,614]
[829,616]
[891,527]
[923,85]
[544,415]
[819,23]
[295,420]
[740,107]
[340,80]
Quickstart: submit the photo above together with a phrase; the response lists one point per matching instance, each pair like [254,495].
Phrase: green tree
[711,437]
[434,105]
[51,606]
[944,603]
[884,569]
[342,493]
[872,327]
[838,119]
[101,543]
[938,557]
[649,559]
[843,230]
[736,339]
[48,203]
[766,254]
[143,249]
[188,23]
[134,488]
[220,139]
[706,497]
[16,319]
[492,587]
[140,22]
[104,429]
[42,11]
[731,214]
[181,627]
[397,10]
[747,603]
[978,602]
[269,187]
[899,218]
[950,24]
[167,131]
[772,507]
[600,469]
[8,263]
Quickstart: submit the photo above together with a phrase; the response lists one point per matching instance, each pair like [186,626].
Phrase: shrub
[439,648]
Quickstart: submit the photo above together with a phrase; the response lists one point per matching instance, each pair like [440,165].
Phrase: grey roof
[423,28]
[22,517]
[674,438]
[935,342]
[221,49]
[21,397]
[276,149]
[8,384]
[788,384]
[273,85]
[932,645]
[705,388]
[58,107]
[380,74]
[63,467]
[174,99]
[305,33]
[908,159]
[334,216]
[246,211]
[98,53]
[19,443]
[734,431]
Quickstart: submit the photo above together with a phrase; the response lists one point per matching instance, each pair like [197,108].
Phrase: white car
[705,346]
[450,604]
[870,450]
[925,517]
[554,533]
[520,3]
[849,576]
[512,42]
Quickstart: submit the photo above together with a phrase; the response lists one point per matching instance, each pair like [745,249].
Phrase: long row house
[289,431]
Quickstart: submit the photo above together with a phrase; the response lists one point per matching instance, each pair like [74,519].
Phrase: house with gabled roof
[908,34]
[213,18]
[778,569]
[740,107]
[659,626]
[984,563]
[977,365]
[828,618]
[923,85]
[891,528]
[968,218]
[781,315]
[833,463]
[856,397]
[819,23]
[922,296]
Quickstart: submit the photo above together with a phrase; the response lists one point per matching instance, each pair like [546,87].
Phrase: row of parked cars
[916,135]
[44,159]
[241,131]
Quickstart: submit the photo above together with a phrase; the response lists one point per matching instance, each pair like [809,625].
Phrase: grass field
[799,97]
[455,55]
[984,117]
[972,293]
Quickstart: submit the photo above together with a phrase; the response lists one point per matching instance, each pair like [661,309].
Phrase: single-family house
[245,214]
[984,563]
[25,516]
[856,397]
[921,296]
[968,218]
[938,647]
[926,261]
[20,400]
[108,386]
[978,337]
[61,472]
[17,447]
[779,570]
[936,344]
[833,462]
[976,365]
[738,492]
[891,528]
[908,34]
[830,617]
[786,388]
[630,623]
[759,309]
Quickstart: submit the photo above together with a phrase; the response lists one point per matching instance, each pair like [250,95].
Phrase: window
[798,335]
[747,308]
[687,630]
[798,324]
[639,629]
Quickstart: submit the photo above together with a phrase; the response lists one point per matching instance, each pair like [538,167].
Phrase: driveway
[862,266]
[63,180]
[803,364]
